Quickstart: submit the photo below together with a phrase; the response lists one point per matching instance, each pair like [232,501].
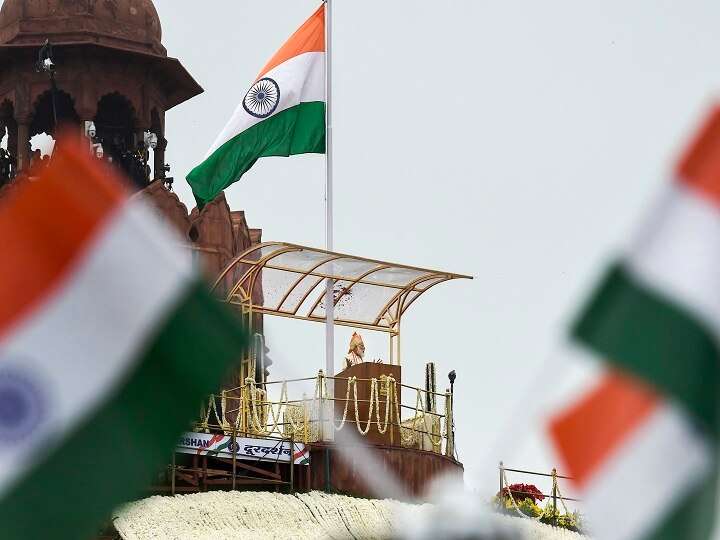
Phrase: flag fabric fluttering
[108,340]
[642,442]
[282,114]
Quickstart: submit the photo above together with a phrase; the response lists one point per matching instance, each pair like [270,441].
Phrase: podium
[365,372]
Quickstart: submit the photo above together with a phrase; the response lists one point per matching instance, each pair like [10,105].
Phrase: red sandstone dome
[126,24]
[110,68]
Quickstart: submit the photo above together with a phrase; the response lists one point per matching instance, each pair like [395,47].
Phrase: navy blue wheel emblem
[22,406]
[263,98]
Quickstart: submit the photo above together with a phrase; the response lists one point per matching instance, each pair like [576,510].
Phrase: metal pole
[243,407]
[329,285]
[452,410]
[172,481]
[554,491]
[292,465]
[53,94]
[204,473]
[45,55]
[428,388]
[234,443]
[322,428]
[501,485]
[399,341]
[327,470]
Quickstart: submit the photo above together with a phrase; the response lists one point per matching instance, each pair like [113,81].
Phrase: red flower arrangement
[522,491]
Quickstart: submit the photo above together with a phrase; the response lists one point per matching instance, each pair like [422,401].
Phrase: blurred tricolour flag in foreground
[642,441]
[107,342]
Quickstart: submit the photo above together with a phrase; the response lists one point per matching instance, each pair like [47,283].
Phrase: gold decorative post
[389,404]
[398,342]
[502,469]
[449,447]
[172,480]
[305,422]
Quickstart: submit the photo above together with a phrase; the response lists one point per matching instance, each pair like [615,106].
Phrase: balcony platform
[414,470]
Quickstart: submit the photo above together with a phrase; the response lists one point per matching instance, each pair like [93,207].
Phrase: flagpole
[329,285]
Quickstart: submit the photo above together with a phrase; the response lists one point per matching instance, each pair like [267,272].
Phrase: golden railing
[249,410]
[554,494]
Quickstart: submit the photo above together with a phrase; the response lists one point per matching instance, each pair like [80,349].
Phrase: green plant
[529,508]
[571,521]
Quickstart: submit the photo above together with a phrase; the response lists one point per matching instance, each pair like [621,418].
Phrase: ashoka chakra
[263,98]
[22,406]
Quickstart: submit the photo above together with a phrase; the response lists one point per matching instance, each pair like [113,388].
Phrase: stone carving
[152,22]
[111,6]
[75,7]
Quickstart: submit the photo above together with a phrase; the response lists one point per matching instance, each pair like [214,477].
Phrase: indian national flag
[642,442]
[283,113]
[107,343]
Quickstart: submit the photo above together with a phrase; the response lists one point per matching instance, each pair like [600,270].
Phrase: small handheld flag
[642,443]
[108,341]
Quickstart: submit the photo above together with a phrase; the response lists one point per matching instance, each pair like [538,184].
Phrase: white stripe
[82,344]
[678,254]
[648,476]
[301,79]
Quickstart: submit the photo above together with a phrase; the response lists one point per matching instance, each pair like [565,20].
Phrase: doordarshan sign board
[215,445]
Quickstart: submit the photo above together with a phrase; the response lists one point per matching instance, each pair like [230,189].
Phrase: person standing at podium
[356,354]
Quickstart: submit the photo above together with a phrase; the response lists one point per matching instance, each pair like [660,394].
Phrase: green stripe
[297,130]
[693,518]
[648,335]
[116,453]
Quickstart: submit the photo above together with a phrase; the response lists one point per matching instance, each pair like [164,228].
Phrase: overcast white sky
[517,141]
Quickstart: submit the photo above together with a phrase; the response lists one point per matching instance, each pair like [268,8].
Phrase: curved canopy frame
[288,280]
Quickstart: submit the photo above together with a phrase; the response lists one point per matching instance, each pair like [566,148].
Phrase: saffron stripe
[699,166]
[591,430]
[310,37]
[45,226]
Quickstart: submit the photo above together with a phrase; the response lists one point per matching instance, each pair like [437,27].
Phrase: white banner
[217,445]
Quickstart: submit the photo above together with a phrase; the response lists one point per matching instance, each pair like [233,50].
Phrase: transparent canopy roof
[289,280]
